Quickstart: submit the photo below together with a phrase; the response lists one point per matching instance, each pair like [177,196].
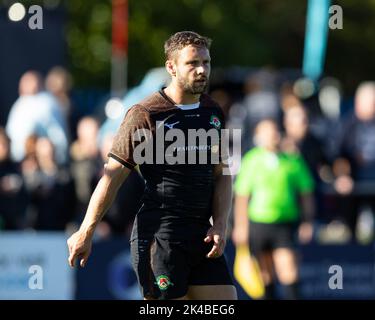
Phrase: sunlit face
[365,104]
[267,135]
[191,67]
[87,130]
[296,122]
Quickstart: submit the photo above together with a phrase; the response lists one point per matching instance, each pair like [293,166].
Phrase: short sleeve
[245,178]
[127,137]
[303,178]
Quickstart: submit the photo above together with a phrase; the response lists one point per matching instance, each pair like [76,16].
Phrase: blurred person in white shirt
[36,112]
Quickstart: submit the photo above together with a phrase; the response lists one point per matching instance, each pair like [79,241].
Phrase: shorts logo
[163,282]
[215,122]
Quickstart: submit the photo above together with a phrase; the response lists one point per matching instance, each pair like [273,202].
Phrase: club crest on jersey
[163,282]
[215,122]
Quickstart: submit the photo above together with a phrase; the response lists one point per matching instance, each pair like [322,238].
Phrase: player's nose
[201,70]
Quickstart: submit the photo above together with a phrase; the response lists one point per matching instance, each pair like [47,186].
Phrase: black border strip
[123,162]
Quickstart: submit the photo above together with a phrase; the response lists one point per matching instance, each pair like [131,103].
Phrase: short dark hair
[183,39]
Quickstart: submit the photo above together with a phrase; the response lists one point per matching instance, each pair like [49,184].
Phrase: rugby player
[177,253]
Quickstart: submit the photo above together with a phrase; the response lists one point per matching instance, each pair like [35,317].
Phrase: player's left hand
[217,235]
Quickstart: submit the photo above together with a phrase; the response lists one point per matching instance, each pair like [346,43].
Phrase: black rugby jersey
[177,199]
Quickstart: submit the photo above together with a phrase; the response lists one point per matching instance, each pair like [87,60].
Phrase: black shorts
[166,268]
[266,237]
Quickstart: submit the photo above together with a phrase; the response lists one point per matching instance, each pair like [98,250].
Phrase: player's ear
[171,67]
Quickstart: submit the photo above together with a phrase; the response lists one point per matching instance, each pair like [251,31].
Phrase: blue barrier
[109,275]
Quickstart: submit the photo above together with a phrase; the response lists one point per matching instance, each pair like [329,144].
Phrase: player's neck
[177,95]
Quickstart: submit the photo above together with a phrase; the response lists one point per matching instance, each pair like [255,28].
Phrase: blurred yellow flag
[247,272]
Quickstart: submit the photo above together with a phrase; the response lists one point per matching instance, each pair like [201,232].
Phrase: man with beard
[176,252]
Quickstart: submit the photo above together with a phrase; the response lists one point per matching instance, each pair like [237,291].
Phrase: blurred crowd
[336,143]
[47,176]
[50,163]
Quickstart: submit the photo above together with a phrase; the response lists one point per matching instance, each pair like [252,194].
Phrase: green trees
[245,32]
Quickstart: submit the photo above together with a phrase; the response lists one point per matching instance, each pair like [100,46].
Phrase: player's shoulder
[136,113]
[156,102]
[146,106]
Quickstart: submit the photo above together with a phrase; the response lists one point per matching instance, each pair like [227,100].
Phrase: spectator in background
[287,97]
[327,122]
[261,102]
[354,166]
[85,162]
[266,193]
[59,82]
[298,139]
[51,190]
[36,112]
[13,197]
[29,162]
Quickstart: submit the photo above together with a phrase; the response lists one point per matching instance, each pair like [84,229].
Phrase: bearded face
[193,69]
[195,86]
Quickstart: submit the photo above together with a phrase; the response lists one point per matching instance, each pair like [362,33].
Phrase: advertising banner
[34,266]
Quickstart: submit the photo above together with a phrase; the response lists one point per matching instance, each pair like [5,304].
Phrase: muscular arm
[104,194]
[79,243]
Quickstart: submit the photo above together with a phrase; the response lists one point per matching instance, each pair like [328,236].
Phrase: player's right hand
[79,245]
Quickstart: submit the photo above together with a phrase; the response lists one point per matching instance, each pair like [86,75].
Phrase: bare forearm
[100,202]
[104,194]
[240,211]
